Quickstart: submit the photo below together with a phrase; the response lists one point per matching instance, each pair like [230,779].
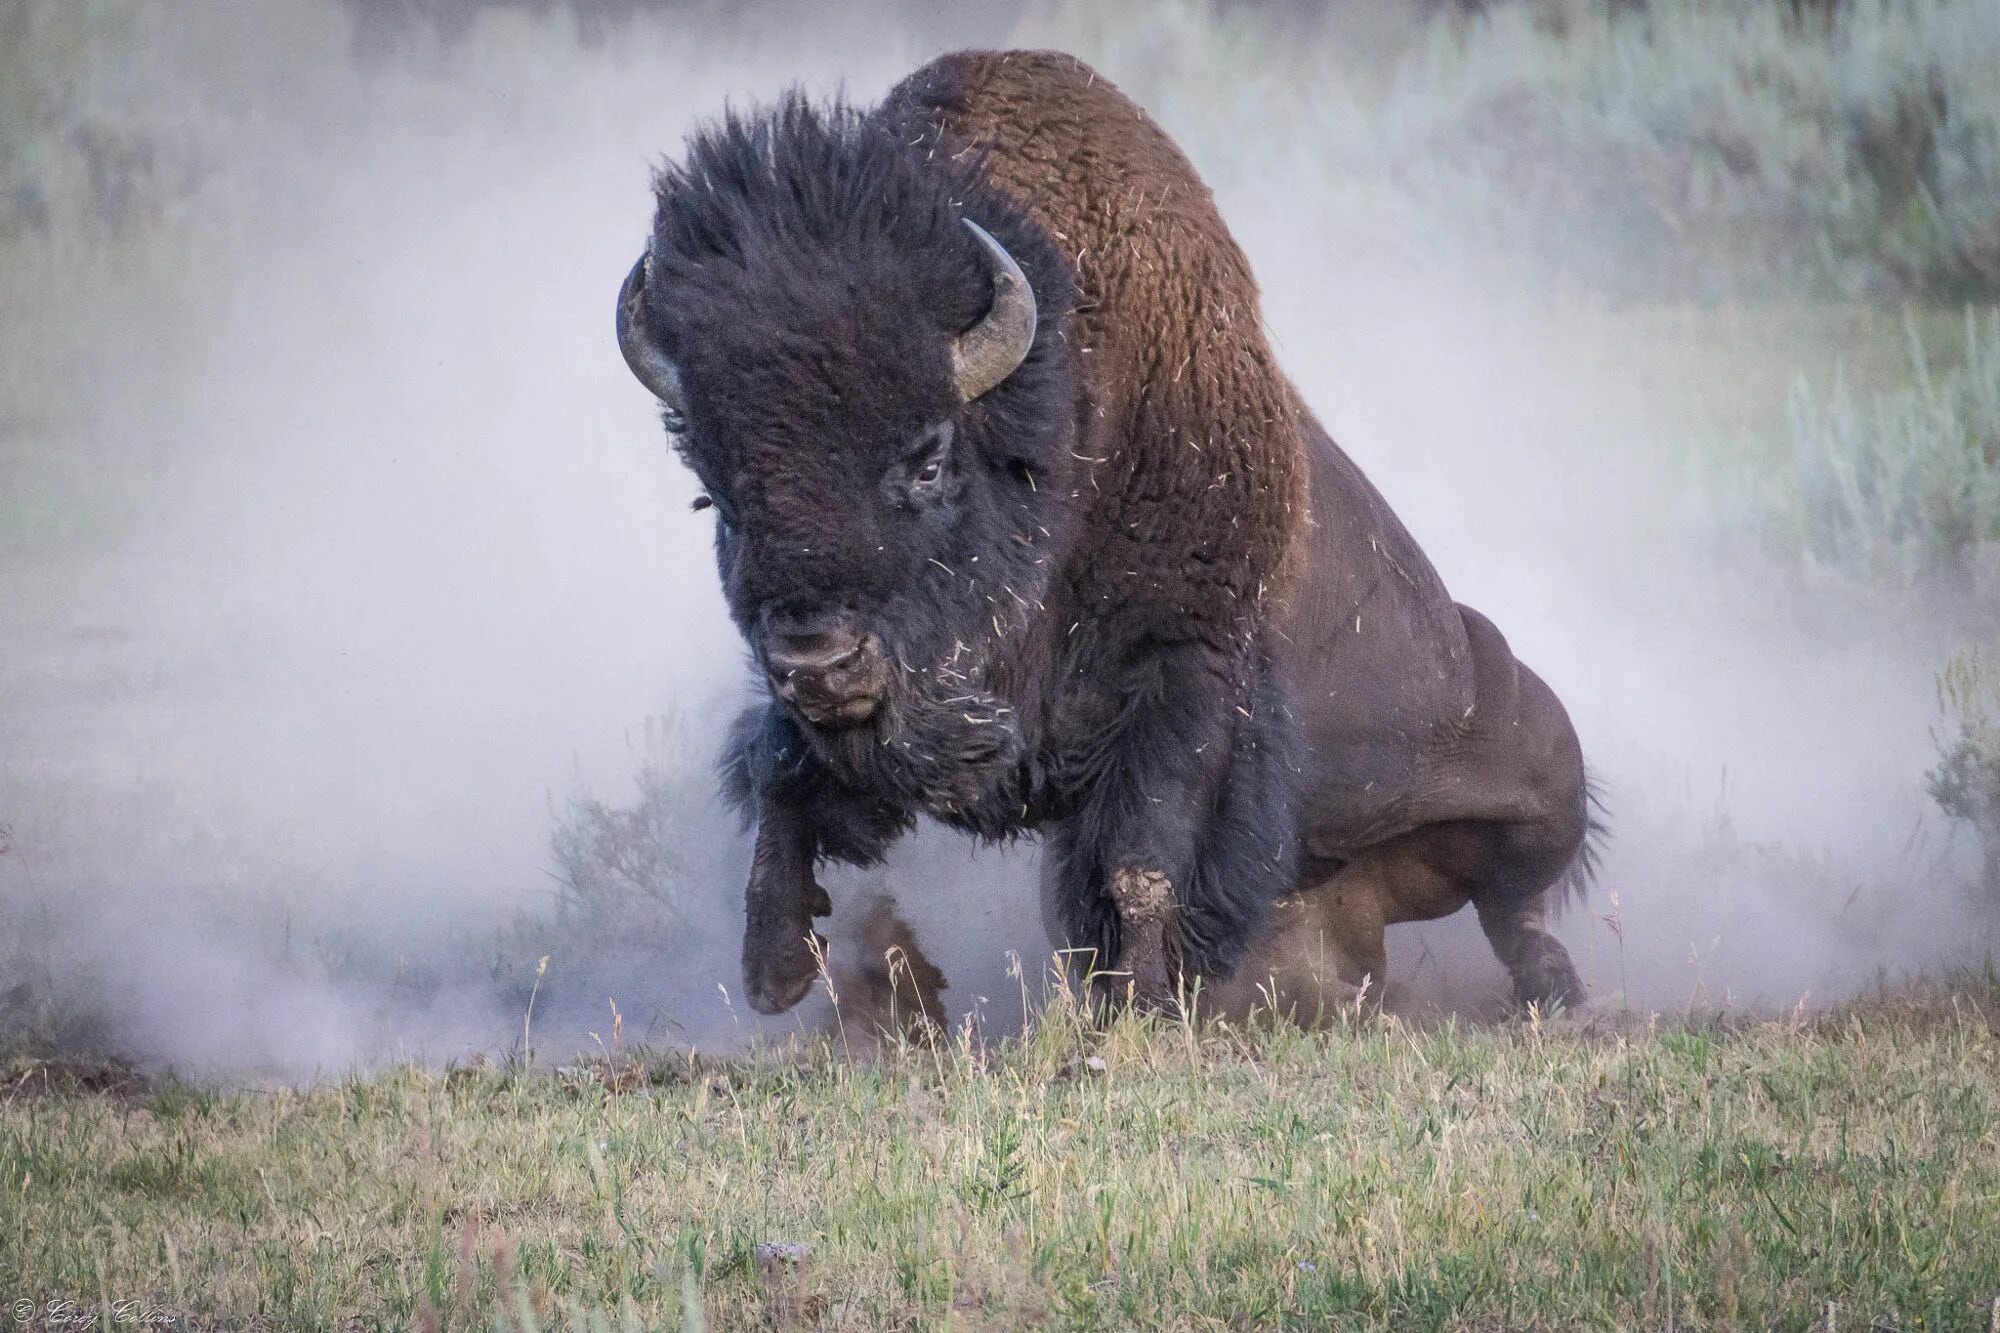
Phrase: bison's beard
[941,744]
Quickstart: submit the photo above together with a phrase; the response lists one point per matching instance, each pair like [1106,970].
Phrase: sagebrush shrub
[1966,781]
[1903,488]
[626,873]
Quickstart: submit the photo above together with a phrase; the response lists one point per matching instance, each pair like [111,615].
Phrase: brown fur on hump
[1193,470]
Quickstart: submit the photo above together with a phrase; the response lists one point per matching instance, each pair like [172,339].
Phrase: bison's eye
[928,459]
[723,520]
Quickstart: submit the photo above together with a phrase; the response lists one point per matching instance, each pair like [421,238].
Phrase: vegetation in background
[626,871]
[1902,488]
[1836,1171]
[79,152]
[1712,147]
[114,194]
[1674,148]
[1966,781]
[636,883]
[1677,149]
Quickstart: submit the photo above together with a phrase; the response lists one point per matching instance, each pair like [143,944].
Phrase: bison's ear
[994,348]
[651,366]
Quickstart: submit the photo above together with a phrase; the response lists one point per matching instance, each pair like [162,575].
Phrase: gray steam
[397,560]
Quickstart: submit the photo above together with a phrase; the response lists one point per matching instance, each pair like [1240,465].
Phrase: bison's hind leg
[1541,968]
[1505,870]
[1529,864]
[1511,871]
[1516,925]
[1351,905]
[1536,836]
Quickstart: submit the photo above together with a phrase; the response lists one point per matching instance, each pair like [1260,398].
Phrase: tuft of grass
[1144,1173]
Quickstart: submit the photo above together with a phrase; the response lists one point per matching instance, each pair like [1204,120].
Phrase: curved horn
[990,350]
[653,369]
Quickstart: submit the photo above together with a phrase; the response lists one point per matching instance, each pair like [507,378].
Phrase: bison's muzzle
[832,673]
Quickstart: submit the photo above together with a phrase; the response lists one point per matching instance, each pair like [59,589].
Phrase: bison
[1026,531]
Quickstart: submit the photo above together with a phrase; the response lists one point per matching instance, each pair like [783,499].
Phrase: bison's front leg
[802,814]
[781,950]
[1186,837]
[1144,900]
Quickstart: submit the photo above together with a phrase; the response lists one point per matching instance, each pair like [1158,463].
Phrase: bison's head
[873,392]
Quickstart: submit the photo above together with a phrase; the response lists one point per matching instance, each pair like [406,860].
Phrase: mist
[400,562]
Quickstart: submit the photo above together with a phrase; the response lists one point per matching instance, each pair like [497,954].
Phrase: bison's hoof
[1547,979]
[1551,991]
[780,968]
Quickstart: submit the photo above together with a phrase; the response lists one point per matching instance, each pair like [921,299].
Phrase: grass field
[1832,1171]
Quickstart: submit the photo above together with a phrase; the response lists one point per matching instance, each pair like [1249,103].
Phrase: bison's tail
[1574,884]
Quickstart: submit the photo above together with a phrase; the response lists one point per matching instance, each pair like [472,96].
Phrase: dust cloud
[408,563]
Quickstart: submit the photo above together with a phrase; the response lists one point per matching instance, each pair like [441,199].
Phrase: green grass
[1548,1175]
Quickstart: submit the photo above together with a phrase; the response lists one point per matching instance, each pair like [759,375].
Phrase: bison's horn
[654,370]
[989,351]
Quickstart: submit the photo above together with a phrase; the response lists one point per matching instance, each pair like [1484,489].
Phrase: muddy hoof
[779,967]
